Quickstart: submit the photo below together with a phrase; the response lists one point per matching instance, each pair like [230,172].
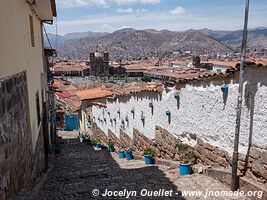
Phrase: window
[37,101]
[32,31]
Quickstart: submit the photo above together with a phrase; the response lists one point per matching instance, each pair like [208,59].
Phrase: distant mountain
[132,43]
[88,34]
[257,37]
[58,40]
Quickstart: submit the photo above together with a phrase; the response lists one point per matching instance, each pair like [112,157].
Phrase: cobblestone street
[80,169]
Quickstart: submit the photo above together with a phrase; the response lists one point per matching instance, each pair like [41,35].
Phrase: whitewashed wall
[202,112]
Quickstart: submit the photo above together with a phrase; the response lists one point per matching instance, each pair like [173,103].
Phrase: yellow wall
[17,54]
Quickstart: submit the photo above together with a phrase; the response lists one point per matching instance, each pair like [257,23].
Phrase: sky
[176,15]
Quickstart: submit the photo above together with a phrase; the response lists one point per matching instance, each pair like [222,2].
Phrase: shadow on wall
[250,92]
[153,96]
[98,170]
[254,76]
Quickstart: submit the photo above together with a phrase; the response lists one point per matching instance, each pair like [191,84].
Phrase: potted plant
[88,141]
[149,154]
[111,146]
[129,154]
[96,143]
[81,137]
[121,153]
[187,158]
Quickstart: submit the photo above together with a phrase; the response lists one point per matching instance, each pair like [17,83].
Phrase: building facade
[99,64]
[24,140]
[70,68]
[198,113]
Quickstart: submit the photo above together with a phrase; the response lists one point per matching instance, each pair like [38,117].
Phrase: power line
[47,38]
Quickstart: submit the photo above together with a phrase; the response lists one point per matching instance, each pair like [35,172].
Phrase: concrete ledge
[168,163]
[245,184]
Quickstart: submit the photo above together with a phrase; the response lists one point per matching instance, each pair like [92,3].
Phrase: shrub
[94,141]
[186,155]
[146,79]
[110,143]
[149,152]
[130,150]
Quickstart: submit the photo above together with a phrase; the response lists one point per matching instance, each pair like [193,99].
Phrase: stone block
[255,152]
[157,152]
[264,174]
[242,157]
[250,175]
[221,153]
[167,157]
[209,146]
[263,156]
[257,167]
[200,141]
[176,157]
[222,162]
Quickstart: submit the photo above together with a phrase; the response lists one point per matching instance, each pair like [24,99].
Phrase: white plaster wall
[201,112]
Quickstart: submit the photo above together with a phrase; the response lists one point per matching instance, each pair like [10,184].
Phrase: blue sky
[111,15]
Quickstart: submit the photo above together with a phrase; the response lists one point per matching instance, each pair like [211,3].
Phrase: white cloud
[178,11]
[124,11]
[144,20]
[82,3]
[107,27]
[121,2]
[141,10]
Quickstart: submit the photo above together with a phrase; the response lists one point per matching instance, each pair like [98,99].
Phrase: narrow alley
[80,171]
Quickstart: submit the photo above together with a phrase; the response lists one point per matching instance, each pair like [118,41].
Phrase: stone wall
[99,134]
[257,164]
[39,157]
[165,144]
[125,140]
[15,135]
[18,164]
[114,138]
[203,109]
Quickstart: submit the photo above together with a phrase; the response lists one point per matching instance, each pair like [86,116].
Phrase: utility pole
[235,178]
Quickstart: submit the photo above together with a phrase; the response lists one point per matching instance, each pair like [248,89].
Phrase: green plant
[94,141]
[149,152]
[192,155]
[182,147]
[146,79]
[110,143]
[130,150]
[186,154]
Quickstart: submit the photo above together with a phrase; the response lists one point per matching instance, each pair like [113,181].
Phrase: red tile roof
[95,93]
[63,94]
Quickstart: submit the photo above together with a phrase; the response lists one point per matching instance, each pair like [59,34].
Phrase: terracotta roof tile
[95,93]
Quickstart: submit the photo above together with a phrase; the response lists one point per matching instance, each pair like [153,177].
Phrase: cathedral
[99,64]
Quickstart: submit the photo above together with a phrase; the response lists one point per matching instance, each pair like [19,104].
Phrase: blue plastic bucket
[148,160]
[121,154]
[98,145]
[111,148]
[185,169]
[225,88]
[129,155]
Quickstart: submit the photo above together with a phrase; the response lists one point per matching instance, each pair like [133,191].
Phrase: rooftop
[95,93]
[69,66]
